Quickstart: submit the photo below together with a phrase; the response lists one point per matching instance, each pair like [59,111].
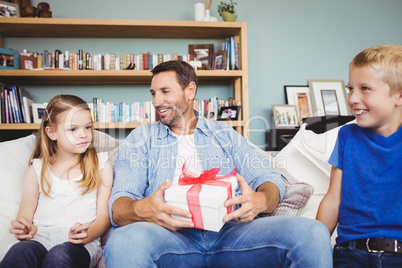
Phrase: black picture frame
[229,113]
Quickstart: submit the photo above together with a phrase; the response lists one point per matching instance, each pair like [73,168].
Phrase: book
[21,93]
[28,109]
[3,105]
[15,104]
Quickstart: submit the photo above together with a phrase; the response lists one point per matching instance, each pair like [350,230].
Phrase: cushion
[297,193]
[14,157]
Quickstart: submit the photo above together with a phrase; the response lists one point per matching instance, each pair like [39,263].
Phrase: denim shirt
[149,153]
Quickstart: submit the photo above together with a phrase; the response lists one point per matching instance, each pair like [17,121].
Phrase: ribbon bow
[207,177]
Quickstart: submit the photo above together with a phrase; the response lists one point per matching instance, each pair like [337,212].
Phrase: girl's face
[74,131]
[371,102]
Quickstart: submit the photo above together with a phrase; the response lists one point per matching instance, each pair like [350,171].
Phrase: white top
[186,153]
[56,215]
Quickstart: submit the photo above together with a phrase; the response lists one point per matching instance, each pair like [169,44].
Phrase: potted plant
[227,11]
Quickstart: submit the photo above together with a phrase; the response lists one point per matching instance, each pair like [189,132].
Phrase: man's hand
[252,202]
[22,229]
[151,209]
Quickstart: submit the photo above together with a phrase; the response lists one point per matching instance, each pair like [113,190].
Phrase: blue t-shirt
[371,198]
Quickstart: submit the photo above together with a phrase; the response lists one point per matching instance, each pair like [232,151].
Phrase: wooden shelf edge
[103,76]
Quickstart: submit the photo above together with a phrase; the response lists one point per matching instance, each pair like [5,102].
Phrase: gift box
[203,199]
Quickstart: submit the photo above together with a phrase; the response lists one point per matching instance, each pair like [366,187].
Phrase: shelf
[103,76]
[95,28]
[125,29]
[112,125]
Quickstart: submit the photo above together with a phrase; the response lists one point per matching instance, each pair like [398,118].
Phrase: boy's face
[371,102]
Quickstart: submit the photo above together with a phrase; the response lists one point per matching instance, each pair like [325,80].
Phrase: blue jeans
[278,241]
[32,254]
[351,257]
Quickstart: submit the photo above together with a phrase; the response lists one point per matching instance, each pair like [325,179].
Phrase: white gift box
[211,200]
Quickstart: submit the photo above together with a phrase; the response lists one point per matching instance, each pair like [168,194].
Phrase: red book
[145,61]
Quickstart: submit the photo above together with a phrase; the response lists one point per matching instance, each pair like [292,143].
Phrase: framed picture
[229,113]
[299,96]
[27,62]
[38,112]
[328,97]
[285,116]
[9,59]
[219,60]
[8,9]
[200,51]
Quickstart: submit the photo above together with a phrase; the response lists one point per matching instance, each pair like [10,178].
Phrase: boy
[364,194]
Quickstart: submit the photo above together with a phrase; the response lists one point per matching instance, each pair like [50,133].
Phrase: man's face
[170,99]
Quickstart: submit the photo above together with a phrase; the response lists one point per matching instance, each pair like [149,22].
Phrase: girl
[64,208]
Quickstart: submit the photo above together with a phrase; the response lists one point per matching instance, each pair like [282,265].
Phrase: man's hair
[386,60]
[184,72]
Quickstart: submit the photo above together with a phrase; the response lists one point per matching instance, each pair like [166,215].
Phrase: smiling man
[145,233]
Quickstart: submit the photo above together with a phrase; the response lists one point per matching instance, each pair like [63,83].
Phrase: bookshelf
[105,28]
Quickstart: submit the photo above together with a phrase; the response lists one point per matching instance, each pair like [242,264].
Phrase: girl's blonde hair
[45,148]
[386,60]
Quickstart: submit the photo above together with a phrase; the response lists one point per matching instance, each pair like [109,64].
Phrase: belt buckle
[372,250]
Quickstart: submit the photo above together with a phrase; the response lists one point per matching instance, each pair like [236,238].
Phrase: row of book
[122,112]
[83,60]
[15,105]
[231,46]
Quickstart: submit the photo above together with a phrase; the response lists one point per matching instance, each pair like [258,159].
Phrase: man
[153,156]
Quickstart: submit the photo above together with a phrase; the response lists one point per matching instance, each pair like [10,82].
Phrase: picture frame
[219,60]
[9,59]
[335,95]
[285,116]
[299,96]
[10,10]
[229,113]
[38,112]
[27,62]
[203,53]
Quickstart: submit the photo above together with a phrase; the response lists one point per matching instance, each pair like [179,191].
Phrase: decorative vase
[227,16]
[207,16]
[199,11]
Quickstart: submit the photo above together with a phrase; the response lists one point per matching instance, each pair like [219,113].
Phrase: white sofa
[302,163]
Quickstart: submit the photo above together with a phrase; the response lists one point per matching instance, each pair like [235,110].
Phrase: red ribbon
[207,177]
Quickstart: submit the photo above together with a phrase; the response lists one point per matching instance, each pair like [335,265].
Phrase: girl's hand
[23,229]
[78,234]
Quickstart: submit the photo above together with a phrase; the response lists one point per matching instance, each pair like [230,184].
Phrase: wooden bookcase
[105,28]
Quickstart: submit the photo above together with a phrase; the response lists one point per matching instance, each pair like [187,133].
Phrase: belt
[377,245]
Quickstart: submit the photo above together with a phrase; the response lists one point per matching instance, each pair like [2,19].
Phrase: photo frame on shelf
[299,96]
[200,51]
[229,113]
[219,60]
[285,116]
[27,62]
[9,59]
[8,9]
[328,96]
[38,112]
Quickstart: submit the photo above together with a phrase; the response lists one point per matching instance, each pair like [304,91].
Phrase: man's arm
[151,209]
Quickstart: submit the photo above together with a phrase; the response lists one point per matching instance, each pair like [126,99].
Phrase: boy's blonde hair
[386,60]
[45,148]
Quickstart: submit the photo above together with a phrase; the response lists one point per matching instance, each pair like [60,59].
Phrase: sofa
[302,164]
